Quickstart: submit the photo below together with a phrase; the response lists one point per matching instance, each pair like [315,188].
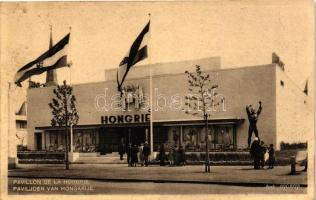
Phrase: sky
[242,33]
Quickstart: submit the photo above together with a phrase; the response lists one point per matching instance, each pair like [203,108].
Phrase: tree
[64,112]
[201,101]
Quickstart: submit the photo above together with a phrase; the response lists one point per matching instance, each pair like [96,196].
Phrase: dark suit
[255,152]
[146,152]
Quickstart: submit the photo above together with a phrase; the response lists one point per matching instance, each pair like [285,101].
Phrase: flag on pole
[137,52]
[55,57]
[51,75]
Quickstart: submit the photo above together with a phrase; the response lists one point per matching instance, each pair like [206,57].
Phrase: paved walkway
[230,175]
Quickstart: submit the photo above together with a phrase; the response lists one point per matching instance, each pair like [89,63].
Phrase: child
[271,157]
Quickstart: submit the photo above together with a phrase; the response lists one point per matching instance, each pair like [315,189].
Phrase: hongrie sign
[123,119]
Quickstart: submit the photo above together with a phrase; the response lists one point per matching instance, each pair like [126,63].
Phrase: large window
[192,138]
[224,137]
[54,140]
[220,137]
[85,140]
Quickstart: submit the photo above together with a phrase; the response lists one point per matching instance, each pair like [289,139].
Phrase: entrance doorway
[136,135]
[110,138]
[38,141]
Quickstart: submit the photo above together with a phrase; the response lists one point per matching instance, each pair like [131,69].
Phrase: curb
[246,184]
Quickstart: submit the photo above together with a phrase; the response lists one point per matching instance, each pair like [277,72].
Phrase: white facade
[239,86]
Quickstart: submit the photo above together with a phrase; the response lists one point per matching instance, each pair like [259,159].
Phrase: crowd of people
[262,153]
[175,156]
[139,155]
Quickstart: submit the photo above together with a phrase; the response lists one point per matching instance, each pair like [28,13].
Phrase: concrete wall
[239,86]
[294,114]
[93,101]
[11,100]
[8,127]
[22,133]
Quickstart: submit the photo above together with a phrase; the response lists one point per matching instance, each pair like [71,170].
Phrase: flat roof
[218,121]
[140,71]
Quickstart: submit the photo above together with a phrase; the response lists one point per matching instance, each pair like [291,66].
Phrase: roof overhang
[224,121]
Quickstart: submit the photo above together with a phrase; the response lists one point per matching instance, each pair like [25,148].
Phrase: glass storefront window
[54,140]
[220,137]
[85,140]
[191,138]
[224,137]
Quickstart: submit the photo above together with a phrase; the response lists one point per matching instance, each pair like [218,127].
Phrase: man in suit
[255,153]
[146,152]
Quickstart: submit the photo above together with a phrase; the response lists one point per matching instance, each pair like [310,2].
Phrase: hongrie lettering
[121,119]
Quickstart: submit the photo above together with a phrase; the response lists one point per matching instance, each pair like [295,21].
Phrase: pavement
[63,186]
[224,175]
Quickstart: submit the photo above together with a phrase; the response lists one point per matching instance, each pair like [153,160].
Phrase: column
[45,140]
[235,137]
[151,137]
[71,139]
[11,130]
[181,135]
[81,133]
[129,136]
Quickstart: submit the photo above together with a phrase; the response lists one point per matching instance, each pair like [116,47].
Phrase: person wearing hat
[146,152]
[271,159]
[121,149]
[129,154]
[134,155]
[255,152]
[162,154]
[181,153]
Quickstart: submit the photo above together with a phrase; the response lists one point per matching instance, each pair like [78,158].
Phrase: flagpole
[70,83]
[151,93]
[69,53]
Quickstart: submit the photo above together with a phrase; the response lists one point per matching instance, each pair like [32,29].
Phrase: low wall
[192,158]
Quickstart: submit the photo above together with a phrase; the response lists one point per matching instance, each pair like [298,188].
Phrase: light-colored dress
[140,154]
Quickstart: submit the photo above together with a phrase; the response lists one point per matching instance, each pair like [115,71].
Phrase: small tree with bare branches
[200,102]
